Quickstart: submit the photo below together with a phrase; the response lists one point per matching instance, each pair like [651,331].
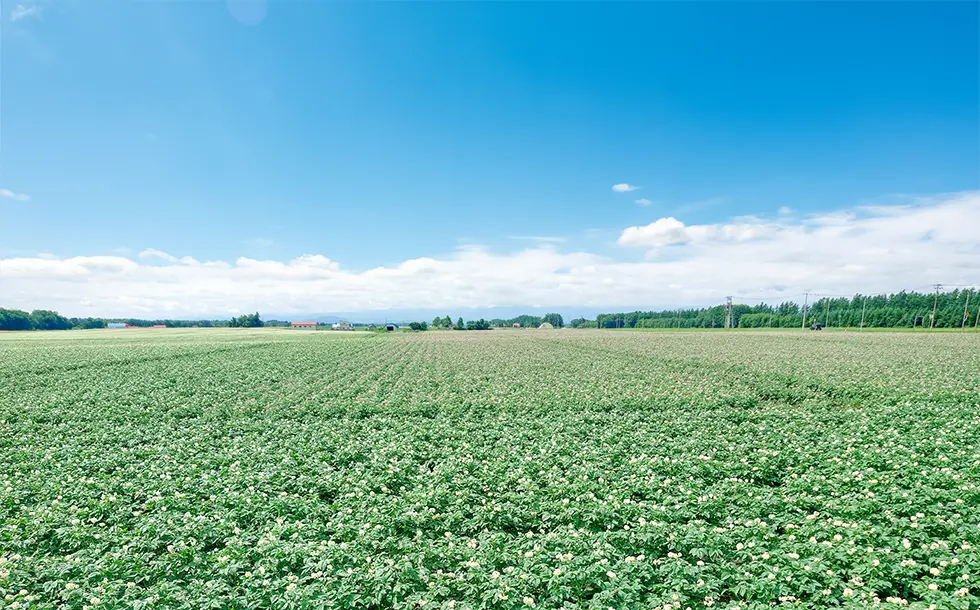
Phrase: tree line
[43,319]
[39,319]
[447,322]
[896,310]
[528,321]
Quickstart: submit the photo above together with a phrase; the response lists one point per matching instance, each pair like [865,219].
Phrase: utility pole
[935,301]
[864,306]
[728,312]
[806,296]
[826,318]
[966,310]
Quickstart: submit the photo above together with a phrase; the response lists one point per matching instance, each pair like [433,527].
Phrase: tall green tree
[249,320]
[15,319]
[459,324]
[44,319]
[554,319]
[901,309]
[87,323]
[527,321]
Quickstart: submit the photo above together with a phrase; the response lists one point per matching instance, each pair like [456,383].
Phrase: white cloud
[21,11]
[154,253]
[183,260]
[8,194]
[669,231]
[662,232]
[624,187]
[785,211]
[642,201]
[848,251]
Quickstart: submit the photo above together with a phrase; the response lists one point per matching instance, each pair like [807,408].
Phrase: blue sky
[377,133]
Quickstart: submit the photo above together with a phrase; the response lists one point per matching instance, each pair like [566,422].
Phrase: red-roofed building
[303,325]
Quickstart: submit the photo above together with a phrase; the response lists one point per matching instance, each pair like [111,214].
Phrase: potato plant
[542,469]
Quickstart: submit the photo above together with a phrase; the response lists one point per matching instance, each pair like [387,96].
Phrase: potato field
[510,469]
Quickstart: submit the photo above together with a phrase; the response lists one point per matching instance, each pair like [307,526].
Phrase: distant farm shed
[546,325]
[391,327]
[116,325]
[516,324]
[303,325]
[159,326]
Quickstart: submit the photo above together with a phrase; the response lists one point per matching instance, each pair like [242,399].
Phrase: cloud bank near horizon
[867,250]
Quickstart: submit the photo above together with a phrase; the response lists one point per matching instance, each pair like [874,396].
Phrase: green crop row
[567,469]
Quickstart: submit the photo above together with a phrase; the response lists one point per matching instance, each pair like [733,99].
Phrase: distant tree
[249,320]
[480,324]
[85,323]
[527,321]
[753,320]
[44,319]
[555,319]
[738,311]
[418,325]
[900,309]
[459,324]
[788,308]
[436,322]
[15,319]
